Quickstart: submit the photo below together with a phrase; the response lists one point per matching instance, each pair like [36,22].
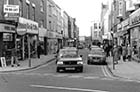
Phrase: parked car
[96,56]
[70,60]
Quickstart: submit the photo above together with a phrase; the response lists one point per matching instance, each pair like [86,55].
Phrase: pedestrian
[115,54]
[129,53]
[124,53]
[120,51]
[39,49]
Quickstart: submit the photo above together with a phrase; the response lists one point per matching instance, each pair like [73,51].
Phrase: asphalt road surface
[95,78]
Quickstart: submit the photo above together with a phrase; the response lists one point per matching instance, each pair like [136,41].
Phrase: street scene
[69,46]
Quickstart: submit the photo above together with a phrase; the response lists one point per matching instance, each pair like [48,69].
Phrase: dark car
[70,61]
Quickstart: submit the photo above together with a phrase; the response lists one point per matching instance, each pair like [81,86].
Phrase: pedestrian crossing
[73,76]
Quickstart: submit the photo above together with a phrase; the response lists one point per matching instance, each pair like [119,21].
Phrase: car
[65,50]
[94,47]
[70,60]
[96,56]
[80,46]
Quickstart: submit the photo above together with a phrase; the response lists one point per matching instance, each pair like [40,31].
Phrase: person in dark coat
[39,49]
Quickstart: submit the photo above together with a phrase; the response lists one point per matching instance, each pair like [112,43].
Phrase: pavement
[128,69]
[24,65]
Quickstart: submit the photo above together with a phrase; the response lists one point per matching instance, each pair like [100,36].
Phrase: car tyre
[80,69]
[57,70]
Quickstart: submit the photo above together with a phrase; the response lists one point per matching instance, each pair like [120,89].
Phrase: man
[39,49]
[124,53]
[129,52]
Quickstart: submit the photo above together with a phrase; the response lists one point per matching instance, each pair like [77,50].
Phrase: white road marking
[75,76]
[89,77]
[105,72]
[68,88]
[60,75]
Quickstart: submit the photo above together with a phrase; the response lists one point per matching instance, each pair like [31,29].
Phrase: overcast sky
[84,11]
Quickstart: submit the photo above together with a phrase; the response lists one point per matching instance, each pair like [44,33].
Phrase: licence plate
[70,68]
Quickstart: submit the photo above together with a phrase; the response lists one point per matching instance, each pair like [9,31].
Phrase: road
[95,78]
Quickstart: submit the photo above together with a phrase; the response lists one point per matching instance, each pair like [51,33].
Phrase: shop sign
[125,23]
[119,26]
[11,8]
[135,17]
[59,36]
[51,34]
[42,32]
[7,28]
[29,25]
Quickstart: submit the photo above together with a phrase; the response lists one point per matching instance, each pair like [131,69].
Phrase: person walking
[129,53]
[39,49]
[124,53]
[115,54]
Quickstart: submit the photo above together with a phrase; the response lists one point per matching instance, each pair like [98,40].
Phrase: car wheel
[57,70]
[81,69]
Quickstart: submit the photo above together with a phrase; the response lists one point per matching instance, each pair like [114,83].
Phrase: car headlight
[79,62]
[60,62]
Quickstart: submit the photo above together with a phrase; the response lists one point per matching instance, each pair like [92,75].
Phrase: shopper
[115,54]
[124,53]
[39,49]
[129,52]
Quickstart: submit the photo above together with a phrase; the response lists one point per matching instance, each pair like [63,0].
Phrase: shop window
[7,37]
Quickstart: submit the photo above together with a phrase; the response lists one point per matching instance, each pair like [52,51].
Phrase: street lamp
[112,34]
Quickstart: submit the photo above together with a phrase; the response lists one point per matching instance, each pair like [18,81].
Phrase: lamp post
[112,34]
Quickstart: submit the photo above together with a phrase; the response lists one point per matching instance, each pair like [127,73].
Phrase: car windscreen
[69,55]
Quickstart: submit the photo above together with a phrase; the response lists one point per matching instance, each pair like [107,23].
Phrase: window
[50,25]
[42,23]
[33,14]
[28,11]
[6,1]
[95,25]
[20,8]
[41,6]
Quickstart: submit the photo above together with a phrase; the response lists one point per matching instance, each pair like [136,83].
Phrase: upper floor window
[6,1]
[28,11]
[20,8]
[42,23]
[42,6]
[33,14]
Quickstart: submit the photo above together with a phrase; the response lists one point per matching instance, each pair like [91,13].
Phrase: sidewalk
[24,65]
[129,69]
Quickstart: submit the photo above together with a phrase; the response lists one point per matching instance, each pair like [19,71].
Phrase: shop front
[135,31]
[7,40]
[60,41]
[43,40]
[27,38]
[52,42]
[123,34]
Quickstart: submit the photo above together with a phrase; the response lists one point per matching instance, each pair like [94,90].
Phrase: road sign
[11,8]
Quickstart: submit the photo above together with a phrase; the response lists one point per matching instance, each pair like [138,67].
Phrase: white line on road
[67,88]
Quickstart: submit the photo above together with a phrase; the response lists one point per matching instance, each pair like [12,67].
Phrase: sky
[85,11]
